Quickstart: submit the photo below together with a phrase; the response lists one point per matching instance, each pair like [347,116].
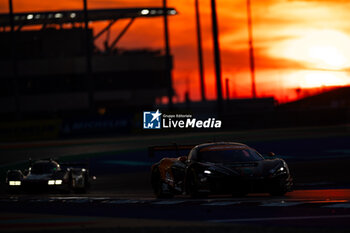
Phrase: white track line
[168,202]
[123,202]
[68,198]
[278,218]
[222,203]
[338,205]
[282,204]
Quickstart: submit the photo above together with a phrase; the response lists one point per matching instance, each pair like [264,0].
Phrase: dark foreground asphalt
[326,210]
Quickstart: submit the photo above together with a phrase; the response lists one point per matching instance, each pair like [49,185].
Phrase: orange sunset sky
[298,43]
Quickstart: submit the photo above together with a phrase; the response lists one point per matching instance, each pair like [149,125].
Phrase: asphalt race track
[328,209]
[121,199]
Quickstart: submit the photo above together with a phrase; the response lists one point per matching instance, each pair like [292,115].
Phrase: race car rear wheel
[81,188]
[160,188]
[192,186]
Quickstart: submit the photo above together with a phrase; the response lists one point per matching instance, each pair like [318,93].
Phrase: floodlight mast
[89,76]
[167,56]
[217,55]
[251,48]
[200,51]
[14,61]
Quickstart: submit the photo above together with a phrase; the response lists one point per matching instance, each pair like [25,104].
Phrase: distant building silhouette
[51,66]
[332,99]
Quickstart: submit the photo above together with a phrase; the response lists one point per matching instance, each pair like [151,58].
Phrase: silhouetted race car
[48,175]
[218,168]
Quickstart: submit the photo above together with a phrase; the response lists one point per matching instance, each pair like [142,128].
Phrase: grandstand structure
[43,64]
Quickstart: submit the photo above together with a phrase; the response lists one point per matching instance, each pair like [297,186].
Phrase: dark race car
[219,168]
[48,175]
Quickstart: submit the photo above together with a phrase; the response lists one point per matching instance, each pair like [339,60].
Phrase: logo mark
[151,120]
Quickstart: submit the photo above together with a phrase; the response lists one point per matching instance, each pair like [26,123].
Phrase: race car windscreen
[43,168]
[230,155]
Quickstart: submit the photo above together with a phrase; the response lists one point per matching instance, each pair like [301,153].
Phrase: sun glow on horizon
[325,55]
[317,49]
[312,78]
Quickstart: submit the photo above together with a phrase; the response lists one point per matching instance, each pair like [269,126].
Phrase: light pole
[200,51]
[217,55]
[14,62]
[89,76]
[227,86]
[251,48]
[167,56]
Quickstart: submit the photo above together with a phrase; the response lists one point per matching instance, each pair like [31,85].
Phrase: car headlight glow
[145,12]
[58,182]
[14,183]
[278,169]
[54,182]
[207,172]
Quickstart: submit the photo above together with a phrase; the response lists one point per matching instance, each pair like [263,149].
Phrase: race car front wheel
[279,188]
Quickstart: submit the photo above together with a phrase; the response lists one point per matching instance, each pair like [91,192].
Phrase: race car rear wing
[170,148]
